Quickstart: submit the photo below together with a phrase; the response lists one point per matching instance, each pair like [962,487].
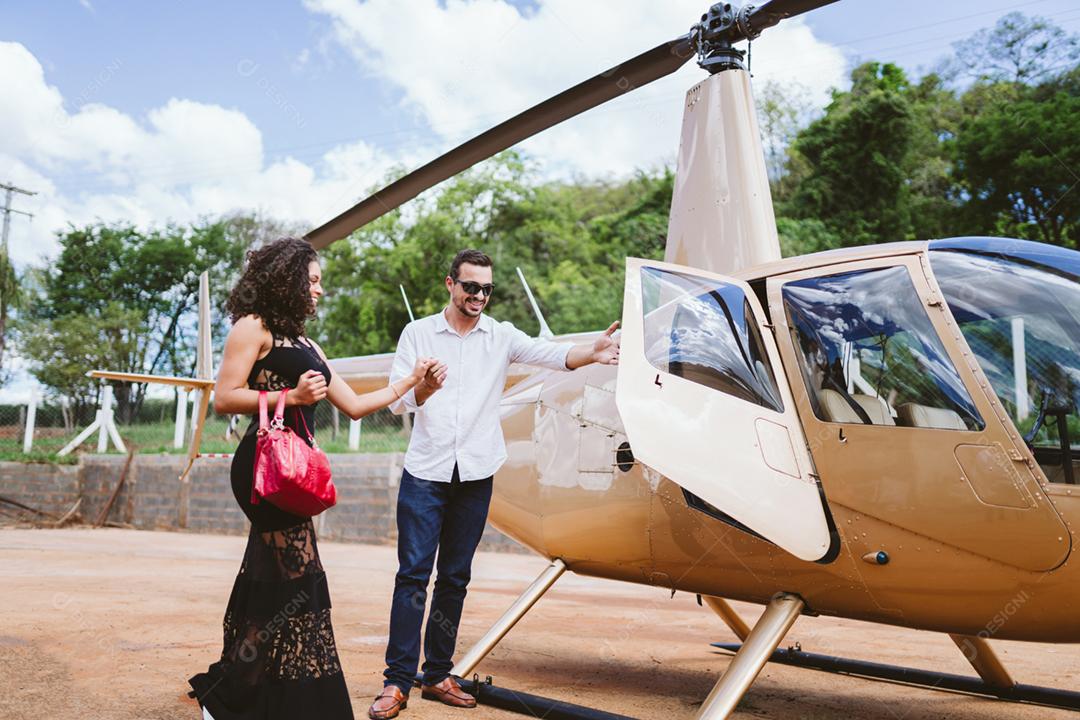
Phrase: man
[455,449]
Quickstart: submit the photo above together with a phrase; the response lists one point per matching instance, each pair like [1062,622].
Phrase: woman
[279,659]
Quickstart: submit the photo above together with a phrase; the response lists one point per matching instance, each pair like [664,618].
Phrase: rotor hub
[713,36]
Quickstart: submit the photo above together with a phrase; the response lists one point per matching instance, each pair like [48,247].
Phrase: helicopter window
[1021,319]
[869,354]
[705,331]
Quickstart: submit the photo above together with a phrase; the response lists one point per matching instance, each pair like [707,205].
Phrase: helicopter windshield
[1018,306]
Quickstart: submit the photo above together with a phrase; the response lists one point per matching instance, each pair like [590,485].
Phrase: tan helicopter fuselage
[960,559]
[977,539]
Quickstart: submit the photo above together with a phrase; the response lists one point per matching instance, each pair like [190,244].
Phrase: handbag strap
[306,430]
[279,408]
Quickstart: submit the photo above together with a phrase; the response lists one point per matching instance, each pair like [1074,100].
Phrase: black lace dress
[279,659]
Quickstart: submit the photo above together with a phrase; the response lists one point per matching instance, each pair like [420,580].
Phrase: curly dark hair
[276,287]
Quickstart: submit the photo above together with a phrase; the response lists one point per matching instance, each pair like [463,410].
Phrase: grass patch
[156,438]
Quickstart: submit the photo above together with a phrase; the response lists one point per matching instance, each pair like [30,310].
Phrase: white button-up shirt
[460,422]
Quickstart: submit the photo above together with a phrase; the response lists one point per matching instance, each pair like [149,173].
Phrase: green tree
[63,348]
[1018,49]
[1019,162]
[850,165]
[115,283]
[804,236]
[10,299]
[934,200]
[781,109]
[569,238]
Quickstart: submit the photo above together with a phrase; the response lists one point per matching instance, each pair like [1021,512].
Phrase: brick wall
[153,497]
[49,488]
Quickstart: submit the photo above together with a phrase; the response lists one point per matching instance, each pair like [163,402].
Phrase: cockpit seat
[915,415]
[837,409]
[876,408]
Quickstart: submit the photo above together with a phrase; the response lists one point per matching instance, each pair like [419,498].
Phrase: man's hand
[604,351]
[423,365]
[435,377]
[432,382]
[606,347]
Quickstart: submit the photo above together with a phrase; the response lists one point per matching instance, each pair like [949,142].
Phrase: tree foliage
[1020,164]
[891,158]
[569,239]
[10,298]
[1018,49]
[119,298]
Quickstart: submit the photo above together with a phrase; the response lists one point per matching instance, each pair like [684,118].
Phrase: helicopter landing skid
[536,706]
[1031,694]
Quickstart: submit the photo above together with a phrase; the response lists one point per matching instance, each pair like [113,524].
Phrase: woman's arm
[246,341]
[357,406]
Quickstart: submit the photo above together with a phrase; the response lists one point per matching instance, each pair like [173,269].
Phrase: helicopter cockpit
[869,353]
[1017,304]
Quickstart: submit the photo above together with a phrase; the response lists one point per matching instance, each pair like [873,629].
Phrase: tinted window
[870,355]
[704,331]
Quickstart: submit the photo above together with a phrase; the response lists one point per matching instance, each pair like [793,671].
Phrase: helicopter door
[904,422]
[704,401]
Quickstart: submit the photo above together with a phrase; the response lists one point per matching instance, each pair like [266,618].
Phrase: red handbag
[289,473]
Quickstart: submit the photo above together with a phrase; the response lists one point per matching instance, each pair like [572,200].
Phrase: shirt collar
[486,324]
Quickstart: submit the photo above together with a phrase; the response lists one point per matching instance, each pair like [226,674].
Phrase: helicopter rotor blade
[773,11]
[651,65]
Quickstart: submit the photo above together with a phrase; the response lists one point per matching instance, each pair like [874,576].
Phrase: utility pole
[7,284]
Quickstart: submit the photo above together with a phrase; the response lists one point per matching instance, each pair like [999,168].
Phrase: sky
[174,110]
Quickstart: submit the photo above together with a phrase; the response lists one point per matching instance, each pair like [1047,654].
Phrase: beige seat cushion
[915,415]
[876,408]
[836,408]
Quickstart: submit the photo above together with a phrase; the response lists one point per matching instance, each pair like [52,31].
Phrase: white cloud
[467,65]
[184,160]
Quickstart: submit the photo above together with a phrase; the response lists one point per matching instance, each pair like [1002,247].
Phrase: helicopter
[880,433]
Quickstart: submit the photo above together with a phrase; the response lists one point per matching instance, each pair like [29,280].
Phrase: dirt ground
[111,623]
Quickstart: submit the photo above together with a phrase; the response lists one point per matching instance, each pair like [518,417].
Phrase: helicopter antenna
[407,305]
[545,331]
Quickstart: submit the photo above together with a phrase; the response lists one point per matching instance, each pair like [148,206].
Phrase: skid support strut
[727,613]
[780,614]
[985,661]
[516,611]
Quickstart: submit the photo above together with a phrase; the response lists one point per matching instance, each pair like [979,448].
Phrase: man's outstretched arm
[604,351]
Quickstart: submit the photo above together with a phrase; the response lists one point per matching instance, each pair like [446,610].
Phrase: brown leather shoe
[448,692]
[388,703]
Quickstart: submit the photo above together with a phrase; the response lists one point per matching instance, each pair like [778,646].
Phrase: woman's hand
[420,370]
[309,390]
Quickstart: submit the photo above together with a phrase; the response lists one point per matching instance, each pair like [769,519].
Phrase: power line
[940,23]
[190,173]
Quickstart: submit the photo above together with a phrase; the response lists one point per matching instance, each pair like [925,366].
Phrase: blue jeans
[448,517]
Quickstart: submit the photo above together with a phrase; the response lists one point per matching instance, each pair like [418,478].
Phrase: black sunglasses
[472,288]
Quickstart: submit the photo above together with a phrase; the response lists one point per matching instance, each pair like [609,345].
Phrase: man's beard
[464,309]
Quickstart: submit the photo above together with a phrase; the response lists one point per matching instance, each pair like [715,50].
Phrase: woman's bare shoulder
[251,327]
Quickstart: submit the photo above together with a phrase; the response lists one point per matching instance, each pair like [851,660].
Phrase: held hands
[606,348]
[423,365]
[310,390]
[430,373]
[433,377]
